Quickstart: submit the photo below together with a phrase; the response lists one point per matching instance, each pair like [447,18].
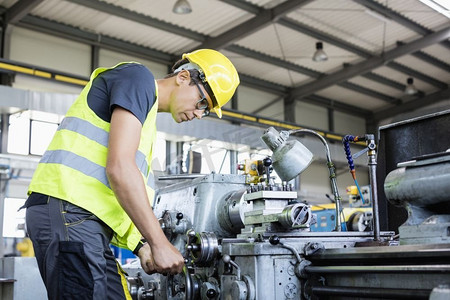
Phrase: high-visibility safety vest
[74,166]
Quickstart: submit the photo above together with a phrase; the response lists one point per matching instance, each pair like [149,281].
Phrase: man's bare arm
[129,188]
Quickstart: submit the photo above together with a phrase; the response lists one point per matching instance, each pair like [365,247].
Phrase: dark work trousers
[72,251]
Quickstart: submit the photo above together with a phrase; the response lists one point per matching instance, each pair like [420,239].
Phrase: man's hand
[164,259]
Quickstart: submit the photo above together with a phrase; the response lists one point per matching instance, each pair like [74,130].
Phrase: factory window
[41,136]
[30,132]
[159,153]
[13,220]
[19,133]
[214,158]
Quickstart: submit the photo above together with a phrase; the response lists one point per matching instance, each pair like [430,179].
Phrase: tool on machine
[371,152]
[290,158]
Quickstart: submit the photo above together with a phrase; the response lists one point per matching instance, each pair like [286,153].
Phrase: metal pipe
[376,269]
[373,184]
[367,292]
[332,173]
[179,177]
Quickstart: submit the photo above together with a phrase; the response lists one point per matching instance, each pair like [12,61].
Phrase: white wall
[311,115]
[348,124]
[109,58]
[50,52]
[250,99]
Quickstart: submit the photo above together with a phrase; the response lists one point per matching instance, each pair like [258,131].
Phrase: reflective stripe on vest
[83,164]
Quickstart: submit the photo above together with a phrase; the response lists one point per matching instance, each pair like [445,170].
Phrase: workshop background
[335,66]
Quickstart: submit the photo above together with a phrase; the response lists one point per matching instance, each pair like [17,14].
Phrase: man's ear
[183,77]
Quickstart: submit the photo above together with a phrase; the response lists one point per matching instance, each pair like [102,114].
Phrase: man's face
[189,101]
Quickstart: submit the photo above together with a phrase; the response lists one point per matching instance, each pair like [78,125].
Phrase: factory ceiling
[373,46]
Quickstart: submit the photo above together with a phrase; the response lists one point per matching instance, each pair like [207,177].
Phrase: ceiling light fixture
[319,55]
[410,88]
[441,6]
[182,7]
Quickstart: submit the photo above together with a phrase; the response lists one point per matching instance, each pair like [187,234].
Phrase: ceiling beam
[357,50]
[273,60]
[429,59]
[310,31]
[413,104]
[325,37]
[369,92]
[370,64]
[416,74]
[338,106]
[385,81]
[309,72]
[19,10]
[278,10]
[75,34]
[265,106]
[244,5]
[139,18]
[149,21]
[263,85]
[390,14]
[264,18]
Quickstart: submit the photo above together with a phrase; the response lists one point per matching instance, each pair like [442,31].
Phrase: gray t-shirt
[130,86]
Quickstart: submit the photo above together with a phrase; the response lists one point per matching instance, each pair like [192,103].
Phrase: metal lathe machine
[245,238]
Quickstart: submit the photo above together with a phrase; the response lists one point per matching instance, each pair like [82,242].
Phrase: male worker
[93,186]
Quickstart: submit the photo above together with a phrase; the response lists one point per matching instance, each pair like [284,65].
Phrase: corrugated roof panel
[350,22]
[144,35]
[207,17]
[266,71]
[438,51]
[353,98]
[7,3]
[417,12]
[70,14]
[424,67]
[105,24]
[378,87]
[295,47]
[266,3]
[401,77]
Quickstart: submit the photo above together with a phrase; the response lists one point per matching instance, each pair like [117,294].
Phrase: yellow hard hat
[219,75]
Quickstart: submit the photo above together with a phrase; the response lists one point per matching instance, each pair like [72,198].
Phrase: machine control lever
[275,240]
[227,259]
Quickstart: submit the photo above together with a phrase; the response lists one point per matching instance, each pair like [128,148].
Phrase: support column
[330,119]
[179,157]
[95,55]
[4,126]
[372,127]
[6,40]
[233,153]
[330,123]
[233,161]
[289,109]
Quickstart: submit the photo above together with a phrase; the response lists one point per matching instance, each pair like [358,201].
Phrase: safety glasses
[202,104]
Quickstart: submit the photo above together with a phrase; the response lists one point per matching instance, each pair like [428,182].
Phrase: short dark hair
[195,74]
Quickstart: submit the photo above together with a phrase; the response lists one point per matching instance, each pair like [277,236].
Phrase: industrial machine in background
[245,237]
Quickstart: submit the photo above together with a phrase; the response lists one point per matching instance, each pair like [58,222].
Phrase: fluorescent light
[182,7]
[410,88]
[441,6]
[319,55]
